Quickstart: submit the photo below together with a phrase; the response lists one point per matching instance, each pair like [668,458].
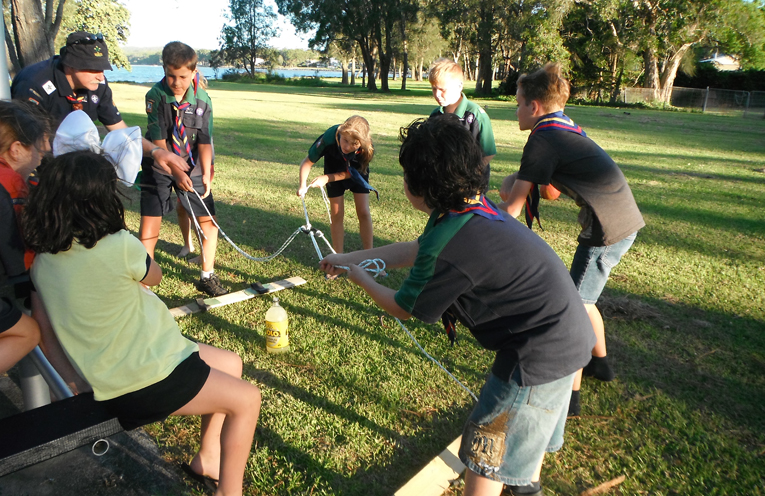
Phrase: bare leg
[230,409]
[336,214]
[478,485]
[17,341]
[148,233]
[365,219]
[209,243]
[599,350]
[597,324]
[577,380]
[184,222]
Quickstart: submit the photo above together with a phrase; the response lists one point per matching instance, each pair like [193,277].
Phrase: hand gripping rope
[376,266]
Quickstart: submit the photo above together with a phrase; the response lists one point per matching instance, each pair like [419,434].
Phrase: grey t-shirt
[581,169]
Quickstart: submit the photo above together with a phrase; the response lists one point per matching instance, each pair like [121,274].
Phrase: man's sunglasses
[91,38]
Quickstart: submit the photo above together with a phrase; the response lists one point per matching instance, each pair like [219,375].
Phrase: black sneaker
[534,490]
[600,369]
[211,286]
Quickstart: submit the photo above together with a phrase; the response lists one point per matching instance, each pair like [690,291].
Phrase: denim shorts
[593,264]
[512,427]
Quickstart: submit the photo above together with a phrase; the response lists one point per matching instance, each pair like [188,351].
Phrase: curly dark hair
[442,162]
[76,199]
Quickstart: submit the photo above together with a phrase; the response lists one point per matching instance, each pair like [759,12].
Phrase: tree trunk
[483,76]
[485,73]
[405,69]
[617,88]
[344,65]
[419,69]
[393,64]
[651,68]
[353,71]
[369,55]
[11,49]
[30,35]
[670,72]
[405,46]
[385,55]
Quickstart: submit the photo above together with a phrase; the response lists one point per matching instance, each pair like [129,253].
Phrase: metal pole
[52,379]
[5,76]
[706,97]
[34,390]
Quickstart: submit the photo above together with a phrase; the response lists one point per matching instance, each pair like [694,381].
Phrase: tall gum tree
[331,19]
[245,38]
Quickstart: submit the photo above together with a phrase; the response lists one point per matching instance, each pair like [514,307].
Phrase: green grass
[356,409]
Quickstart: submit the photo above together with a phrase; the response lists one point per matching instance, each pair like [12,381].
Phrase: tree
[602,39]
[357,20]
[32,32]
[108,17]
[37,34]
[245,39]
[670,28]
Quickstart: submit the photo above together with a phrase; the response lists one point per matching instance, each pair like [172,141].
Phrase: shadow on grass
[712,361]
[636,159]
[409,452]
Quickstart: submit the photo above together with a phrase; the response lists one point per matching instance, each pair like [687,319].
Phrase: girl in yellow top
[92,275]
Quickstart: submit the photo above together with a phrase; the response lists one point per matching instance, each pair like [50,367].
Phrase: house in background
[722,62]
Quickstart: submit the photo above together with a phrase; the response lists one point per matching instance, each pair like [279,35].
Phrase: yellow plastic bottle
[277,340]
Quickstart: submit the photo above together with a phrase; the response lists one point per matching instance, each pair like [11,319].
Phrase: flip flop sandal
[208,482]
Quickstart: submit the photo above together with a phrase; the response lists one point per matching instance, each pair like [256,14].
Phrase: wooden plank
[435,477]
[236,297]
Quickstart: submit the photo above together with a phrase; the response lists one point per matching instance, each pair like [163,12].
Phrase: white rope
[436,361]
[375,265]
[306,228]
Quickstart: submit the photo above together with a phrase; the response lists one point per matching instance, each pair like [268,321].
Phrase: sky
[200,30]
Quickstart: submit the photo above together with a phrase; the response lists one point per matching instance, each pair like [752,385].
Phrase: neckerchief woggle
[180,140]
[77,101]
[556,121]
[474,206]
[356,175]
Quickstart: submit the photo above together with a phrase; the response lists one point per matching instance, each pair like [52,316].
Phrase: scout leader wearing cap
[74,80]
[71,81]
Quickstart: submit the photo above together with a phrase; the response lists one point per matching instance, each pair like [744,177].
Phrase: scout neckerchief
[474,206]
[356,175]
[556,121]
[77,101]
[180,140]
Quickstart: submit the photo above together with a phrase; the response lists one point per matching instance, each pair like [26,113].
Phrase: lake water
[153,73]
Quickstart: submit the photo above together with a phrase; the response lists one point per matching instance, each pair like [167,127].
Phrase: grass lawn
[355,408]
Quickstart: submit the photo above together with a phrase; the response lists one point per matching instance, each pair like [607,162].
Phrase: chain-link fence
[719,101]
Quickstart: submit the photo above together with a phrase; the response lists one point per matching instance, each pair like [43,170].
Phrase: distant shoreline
[291,68]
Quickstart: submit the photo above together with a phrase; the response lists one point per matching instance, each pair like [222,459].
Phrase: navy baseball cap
[86,52]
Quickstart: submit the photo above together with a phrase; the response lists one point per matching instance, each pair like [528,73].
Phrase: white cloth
[122,147]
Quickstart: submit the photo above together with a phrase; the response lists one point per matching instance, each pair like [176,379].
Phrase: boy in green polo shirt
[180,120]
[445,78]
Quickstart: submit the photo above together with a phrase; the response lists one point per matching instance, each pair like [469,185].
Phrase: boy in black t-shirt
[505,284]
[558,152]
